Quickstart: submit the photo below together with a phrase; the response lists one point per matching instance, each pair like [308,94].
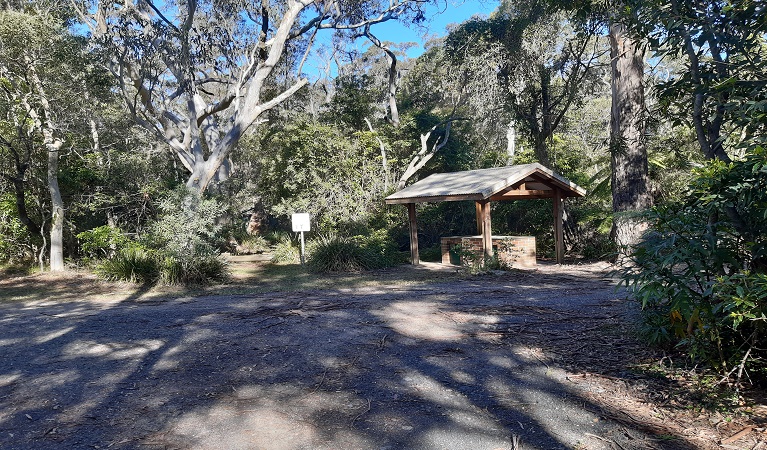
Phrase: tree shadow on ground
[447,365]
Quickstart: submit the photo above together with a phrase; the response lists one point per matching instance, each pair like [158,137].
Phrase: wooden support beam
[487,234]
[413,234]
[522,194]
[478,209]
[559,238]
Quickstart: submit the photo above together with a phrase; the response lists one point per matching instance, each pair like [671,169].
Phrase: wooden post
[487,234]
[413,234]
[559,239]
[478,208]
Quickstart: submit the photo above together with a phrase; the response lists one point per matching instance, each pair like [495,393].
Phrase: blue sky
[437,19]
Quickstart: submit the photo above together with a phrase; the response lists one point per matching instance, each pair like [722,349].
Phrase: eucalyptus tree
[629,180]
[200,73]
[628,148]
[40,78]
[539,64]
[440,91]
[722,87]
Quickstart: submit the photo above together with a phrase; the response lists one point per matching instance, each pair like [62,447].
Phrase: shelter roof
[518,182]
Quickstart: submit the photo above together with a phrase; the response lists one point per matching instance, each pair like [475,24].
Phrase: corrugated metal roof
[480,184]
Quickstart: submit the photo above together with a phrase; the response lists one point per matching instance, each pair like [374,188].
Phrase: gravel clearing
[502,361]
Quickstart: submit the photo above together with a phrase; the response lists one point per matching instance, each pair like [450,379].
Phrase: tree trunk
[57,209]
[43,122]
[511,143]
[627,145]
[21,204]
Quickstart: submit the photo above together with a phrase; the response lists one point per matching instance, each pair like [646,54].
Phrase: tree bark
[57,206]
[393,117]
[425,154]
[43,123]
[627,143]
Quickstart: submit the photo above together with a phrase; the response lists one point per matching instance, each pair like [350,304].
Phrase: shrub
[277,237]
[381,249]
[700,271]
[251,245]
[286,253]
[134,263]
[184,238]
[432,253]
[332,253]
[477,263]
[187,226]
[15,241]
[336,254]
[18,269]
[178,249]
[101,242]
[199,270]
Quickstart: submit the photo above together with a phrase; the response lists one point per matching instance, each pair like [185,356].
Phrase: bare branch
[393,117]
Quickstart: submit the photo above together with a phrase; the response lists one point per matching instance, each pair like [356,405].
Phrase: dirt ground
[540,359]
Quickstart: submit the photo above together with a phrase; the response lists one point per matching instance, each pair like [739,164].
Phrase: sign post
[301,224]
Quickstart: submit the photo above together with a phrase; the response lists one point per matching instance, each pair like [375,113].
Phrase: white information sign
[301,222]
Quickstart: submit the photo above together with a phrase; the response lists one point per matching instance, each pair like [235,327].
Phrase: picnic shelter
[483,186]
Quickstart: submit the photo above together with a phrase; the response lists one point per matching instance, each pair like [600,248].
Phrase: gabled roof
[501,183]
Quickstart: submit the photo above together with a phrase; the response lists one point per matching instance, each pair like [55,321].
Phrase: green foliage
[432,253]
[337,254]
[252,245]
[177,249]
[134,263]
[353,100]
[203,269]
[15,242]
[137,264]
[188,225]
[700,272]
[18,269]
[286,253]
[477,263]
[101,242]
[332,253]
[724,52]
[317,169]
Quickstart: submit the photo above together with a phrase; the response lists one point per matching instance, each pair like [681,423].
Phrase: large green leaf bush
[701,271]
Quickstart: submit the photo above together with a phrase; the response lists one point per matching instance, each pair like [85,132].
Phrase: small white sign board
[301,222]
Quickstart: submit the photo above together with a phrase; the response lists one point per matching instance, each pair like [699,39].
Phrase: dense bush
[251,245]
[285,251]
[333,253]
[700,271]
[133,263]
[101,242]
[381,249]
[337,254]
[205,269]
[178,248]
[15,242]
[432,253]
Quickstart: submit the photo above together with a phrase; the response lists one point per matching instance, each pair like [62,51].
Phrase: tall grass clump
[332,253]
[285,251]
[135,264]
